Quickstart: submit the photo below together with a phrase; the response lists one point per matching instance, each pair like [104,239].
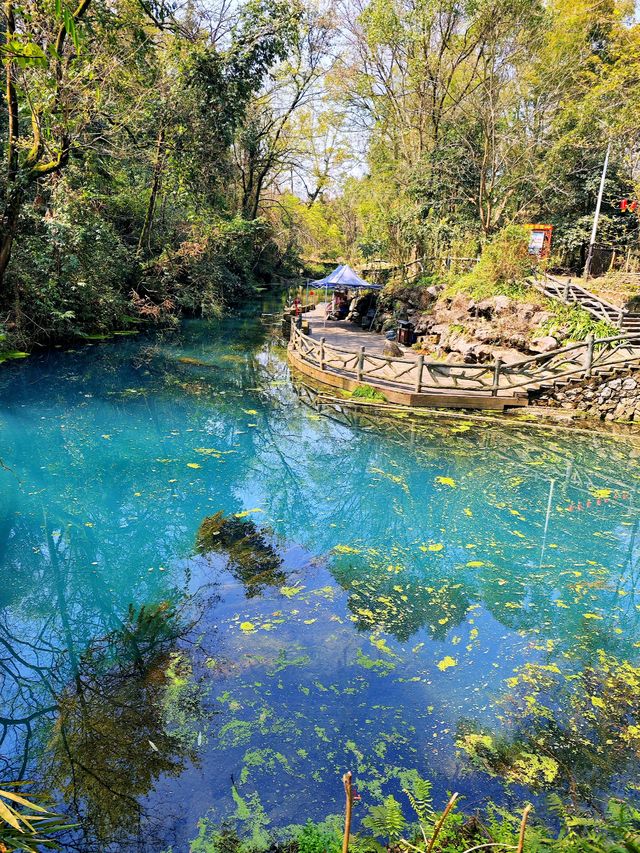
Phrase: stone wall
[615,399]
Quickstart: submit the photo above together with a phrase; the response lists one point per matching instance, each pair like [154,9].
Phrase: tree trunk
[13,196]
[158,167]
[10,219]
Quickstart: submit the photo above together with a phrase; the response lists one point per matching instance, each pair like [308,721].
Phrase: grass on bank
[451,830]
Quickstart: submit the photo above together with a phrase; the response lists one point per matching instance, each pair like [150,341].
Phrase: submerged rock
[252,559]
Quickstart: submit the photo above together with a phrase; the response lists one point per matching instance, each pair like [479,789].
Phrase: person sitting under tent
[341,282]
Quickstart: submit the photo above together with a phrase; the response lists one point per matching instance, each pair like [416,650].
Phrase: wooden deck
[341,355]
[347,338]
[344,335]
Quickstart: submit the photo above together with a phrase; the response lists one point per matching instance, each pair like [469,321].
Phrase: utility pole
[587,266]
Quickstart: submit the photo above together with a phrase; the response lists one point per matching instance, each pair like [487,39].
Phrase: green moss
[367,392]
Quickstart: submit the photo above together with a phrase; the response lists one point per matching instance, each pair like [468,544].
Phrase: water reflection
[362,593]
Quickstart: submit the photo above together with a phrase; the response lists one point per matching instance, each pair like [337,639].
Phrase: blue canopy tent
[344,277]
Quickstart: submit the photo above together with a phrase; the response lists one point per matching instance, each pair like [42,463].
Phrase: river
[455,598]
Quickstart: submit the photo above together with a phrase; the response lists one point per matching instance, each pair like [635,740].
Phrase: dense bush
[502,270]
[70,273]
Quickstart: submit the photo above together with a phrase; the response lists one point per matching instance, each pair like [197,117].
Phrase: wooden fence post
[566,290]
[360,364]
[322,353]
[496,377]
[589,360]
[419,376]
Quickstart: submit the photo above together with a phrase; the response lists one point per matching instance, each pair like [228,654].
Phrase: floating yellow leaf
[245,512]
[475,564]
[446,663]
[250,411]
[193,465]
[446,481]
[597,702]
[290,591]
[247,627]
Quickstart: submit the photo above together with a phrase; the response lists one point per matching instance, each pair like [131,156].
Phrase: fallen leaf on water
[290,591]
[446,481]
[446,663]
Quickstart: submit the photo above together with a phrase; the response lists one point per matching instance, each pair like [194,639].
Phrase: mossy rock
[252,559]
[219,531]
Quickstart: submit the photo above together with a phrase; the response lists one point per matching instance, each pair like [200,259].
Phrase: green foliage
[368,392]
[574,323]
[617,830]
[386,820]
[502,269]
[418,792]
[159,229]
[315,838]
[25,825]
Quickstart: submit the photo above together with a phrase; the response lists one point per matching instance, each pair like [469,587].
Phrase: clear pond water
[451,597]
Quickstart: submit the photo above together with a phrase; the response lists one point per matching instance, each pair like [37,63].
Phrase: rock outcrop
[616,399]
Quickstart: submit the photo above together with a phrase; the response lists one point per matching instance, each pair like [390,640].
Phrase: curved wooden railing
[603,356]
[571,292]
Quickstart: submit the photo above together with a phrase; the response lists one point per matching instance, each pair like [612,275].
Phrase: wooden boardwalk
[343,356]
[344,335]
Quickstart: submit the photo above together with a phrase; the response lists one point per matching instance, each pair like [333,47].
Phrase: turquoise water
[455,597]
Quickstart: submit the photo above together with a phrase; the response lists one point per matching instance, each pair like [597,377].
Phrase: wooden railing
[420,375]
[570,292]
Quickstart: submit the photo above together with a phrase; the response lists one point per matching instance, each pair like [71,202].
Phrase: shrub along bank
[451,830]
[491,311]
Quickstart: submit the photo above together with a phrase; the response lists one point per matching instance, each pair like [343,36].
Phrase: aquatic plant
[575,729]
[447,831]
[367,392]
[29,828]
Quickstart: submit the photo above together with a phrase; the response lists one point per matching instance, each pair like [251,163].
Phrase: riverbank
[342,356]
